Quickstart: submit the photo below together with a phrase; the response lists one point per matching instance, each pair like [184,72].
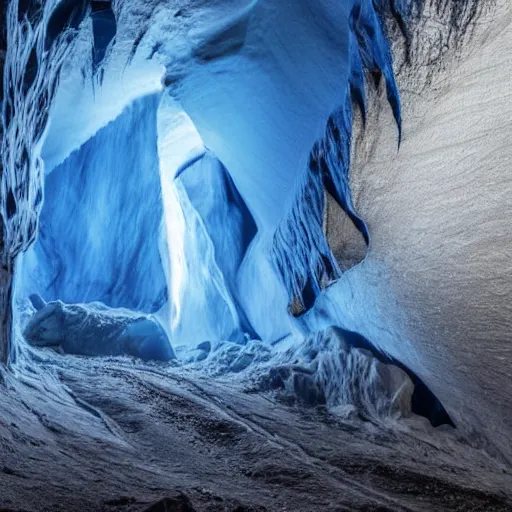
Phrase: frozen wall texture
[39,36]
[219,230]
[300,248]
[274,90]
[209,229]
[434,290]
[101,224]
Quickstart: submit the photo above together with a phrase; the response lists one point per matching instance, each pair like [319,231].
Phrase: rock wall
[434,290]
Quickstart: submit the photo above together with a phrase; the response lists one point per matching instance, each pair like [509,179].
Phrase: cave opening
[146,246]
[141,240]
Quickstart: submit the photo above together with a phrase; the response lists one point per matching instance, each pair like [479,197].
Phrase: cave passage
[138,256]
[203,265]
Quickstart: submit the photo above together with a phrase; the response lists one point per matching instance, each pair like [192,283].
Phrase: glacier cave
[254,255]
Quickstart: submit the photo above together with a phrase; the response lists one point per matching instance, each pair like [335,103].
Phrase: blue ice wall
[220,229]
[300,250]
[209,229]
[101,222]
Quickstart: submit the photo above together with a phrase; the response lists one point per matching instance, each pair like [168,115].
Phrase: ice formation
[204,162]
[99,189]
[323,369]
[209,229]
[96,330]
[38,40]
[311,260]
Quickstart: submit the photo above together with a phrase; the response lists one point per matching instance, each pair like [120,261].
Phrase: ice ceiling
[190,172]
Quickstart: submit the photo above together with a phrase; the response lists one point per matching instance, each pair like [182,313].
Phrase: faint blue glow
[101,221]
[178,142]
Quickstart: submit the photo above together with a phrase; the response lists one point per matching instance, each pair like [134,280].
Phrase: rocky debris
[178,503]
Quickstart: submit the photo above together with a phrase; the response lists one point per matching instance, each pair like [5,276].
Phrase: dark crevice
[30,70]
[104,27]
[68,14]
[424,401]
[11,204]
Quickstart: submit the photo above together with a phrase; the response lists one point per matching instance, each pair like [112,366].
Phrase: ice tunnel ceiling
[213,210]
